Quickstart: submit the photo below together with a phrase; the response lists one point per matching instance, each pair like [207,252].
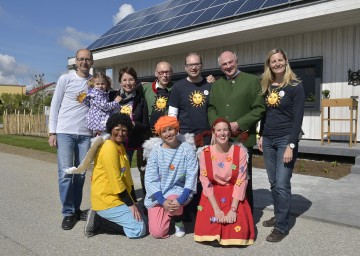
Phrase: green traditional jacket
[238,100]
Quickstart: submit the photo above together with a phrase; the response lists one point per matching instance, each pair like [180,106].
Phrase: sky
[38,36]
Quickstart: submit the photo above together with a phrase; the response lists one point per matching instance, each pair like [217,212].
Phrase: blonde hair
[101,75]
[268,76]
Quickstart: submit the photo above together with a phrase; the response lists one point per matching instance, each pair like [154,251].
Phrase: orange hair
[166,121]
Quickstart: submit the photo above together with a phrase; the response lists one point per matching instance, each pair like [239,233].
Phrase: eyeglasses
[195,65]
[84,60]
[161,73]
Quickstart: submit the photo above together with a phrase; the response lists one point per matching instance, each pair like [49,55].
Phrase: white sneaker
[180,231]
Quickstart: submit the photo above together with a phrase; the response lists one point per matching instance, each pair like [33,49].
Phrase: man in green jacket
[157,93]
[236,97]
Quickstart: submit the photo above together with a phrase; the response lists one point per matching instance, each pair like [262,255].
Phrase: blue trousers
[279,175]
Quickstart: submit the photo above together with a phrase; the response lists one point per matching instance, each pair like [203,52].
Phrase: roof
[40,88]
[177,15]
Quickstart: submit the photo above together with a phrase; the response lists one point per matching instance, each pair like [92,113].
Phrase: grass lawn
[37,143]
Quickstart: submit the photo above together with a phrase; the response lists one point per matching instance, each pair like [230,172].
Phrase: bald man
[236,97]
[157,93]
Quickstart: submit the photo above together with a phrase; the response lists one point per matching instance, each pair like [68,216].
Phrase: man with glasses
[68,132]
[157,93]
[188,102]
[189,98]
[236,97]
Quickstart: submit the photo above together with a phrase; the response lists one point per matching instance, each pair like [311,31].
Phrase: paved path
[30,219]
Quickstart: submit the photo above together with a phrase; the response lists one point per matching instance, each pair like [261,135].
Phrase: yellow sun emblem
[273,99]
[81,97]
[197,99]
[160,103]
[126,109]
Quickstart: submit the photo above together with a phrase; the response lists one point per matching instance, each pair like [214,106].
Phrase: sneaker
[269,223]
[90,225]
[275,236]
[179,229]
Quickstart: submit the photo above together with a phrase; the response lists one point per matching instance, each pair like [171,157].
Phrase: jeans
[122,216]
[279,175]
[71,150]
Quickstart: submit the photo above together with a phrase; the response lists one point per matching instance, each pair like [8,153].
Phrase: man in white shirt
[68,132]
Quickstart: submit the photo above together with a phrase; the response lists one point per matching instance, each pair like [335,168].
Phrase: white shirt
[67,114]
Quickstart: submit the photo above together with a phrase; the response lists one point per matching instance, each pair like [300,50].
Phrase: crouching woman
[112,200]
[170,179]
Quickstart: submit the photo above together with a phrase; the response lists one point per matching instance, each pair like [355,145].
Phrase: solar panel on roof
[202,5]
[229,9]
[209,14]
[271,3]
[250,6]
[217,2]
[173,15]
[141,32]
[155,28]
[189,19]
[188,8]
[160,16]
[171,24]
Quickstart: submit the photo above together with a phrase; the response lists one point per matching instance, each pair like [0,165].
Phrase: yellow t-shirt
[111,176]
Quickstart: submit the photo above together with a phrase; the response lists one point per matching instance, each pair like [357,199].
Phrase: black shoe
[81,215]
[68,222]
[275,236]
[269,223]
[91,224]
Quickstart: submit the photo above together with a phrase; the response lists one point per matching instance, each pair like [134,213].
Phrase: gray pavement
[324,221]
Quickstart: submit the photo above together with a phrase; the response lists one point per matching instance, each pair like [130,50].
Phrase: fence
[25,124]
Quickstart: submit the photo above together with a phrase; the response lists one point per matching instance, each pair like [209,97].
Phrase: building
[13,89]
[322,39]
[46,88]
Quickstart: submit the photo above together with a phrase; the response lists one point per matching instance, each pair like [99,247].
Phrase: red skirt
[239,233]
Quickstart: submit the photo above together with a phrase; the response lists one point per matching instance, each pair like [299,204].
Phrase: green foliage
[302,167]
[334,163]
[12,102]
[37,143]
[34,103]
[326,171]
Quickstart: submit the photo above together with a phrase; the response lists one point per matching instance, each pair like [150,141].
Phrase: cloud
[10,71]
[74,40]
[124,10]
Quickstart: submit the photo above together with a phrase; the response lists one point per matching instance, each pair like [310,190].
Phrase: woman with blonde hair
[279,130]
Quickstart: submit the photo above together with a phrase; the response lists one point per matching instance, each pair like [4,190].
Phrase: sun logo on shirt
[160,103]
[81,96]
[197,99]
[273,99]
[126,109]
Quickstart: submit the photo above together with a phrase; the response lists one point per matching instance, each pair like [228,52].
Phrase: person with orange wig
[170,179]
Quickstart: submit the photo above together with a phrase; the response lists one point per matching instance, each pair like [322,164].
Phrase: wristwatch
[292,145]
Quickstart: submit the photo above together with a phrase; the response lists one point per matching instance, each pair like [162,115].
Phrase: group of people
[202,132]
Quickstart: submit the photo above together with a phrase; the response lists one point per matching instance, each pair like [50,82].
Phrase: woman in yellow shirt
[111,184]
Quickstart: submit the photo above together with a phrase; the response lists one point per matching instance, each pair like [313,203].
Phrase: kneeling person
[112,199]
[170,179]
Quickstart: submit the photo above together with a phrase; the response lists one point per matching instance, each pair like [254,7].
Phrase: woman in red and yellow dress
[224,214]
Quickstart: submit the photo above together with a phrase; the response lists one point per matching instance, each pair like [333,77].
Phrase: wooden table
[352,104]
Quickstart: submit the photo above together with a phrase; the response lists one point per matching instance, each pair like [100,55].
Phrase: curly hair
[166,121]
[116,119]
